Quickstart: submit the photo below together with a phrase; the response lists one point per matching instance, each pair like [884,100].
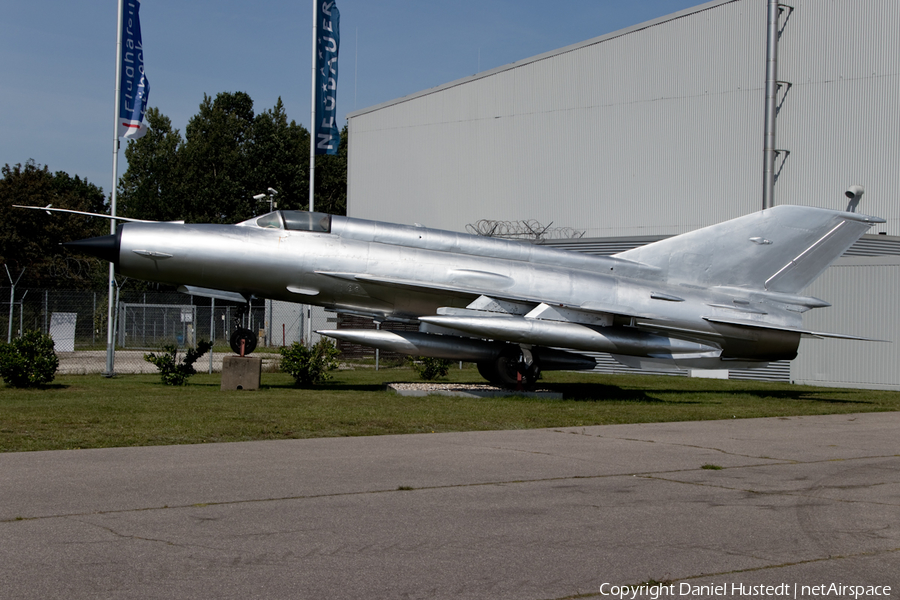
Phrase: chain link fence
[147,321]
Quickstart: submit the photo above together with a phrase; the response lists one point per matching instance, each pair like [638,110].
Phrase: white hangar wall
[840,119]
[590,136]
[864,292]
[656,129]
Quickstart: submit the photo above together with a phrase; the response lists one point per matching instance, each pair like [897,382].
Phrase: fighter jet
[721,297]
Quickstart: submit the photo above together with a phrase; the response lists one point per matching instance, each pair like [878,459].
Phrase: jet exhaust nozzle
[105,247]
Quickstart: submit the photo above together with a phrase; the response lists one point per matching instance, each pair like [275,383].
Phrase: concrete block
[241,373]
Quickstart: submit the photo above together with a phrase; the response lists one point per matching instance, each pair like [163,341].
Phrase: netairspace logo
[738,590]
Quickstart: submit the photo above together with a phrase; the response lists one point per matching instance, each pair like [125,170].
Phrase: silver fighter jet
[725,296]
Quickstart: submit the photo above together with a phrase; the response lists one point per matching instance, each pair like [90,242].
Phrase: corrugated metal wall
[840,119]
[864,292]
[599,137]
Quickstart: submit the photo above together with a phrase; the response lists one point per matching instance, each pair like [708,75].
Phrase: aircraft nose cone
[105,247]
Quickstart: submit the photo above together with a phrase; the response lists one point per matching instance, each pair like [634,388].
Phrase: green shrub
[172,371]
[28,361]
[429,368]
[309,365]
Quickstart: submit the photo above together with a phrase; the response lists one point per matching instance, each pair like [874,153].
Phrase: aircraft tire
[249,341]
[504,371]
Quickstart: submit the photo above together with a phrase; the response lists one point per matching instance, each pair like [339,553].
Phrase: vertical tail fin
[782,249]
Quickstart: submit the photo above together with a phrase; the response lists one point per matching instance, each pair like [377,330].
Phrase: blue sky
[57,59]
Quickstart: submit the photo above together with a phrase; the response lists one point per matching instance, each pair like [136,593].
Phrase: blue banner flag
[326,133]
[134,89]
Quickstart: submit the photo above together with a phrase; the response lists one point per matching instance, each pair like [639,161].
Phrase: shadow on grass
[332,387]
[599,392]
[594,392]
[813,397]
[800,395]
[41,387]
[324,387]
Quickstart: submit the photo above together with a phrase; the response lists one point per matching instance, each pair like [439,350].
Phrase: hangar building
[671,125]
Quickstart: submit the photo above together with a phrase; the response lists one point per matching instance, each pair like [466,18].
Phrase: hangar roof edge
[597,40]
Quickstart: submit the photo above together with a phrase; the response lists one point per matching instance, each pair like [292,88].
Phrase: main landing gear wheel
[248,337]
[510,370]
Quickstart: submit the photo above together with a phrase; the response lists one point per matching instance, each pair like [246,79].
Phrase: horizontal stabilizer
[806,332]
[683,363]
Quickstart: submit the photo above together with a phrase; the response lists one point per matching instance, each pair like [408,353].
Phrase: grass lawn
[89,411]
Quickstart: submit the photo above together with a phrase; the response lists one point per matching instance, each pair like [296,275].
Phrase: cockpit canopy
[293,220]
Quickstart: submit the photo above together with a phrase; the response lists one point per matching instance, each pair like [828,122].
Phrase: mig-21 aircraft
[725,296]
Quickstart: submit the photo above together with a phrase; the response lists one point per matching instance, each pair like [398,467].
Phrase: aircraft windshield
[296,220]
[270,221]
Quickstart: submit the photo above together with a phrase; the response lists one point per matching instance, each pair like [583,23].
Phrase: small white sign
[62,330]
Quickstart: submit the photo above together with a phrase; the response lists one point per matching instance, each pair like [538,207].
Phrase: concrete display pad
[241,373]
[466,390]
[541,514]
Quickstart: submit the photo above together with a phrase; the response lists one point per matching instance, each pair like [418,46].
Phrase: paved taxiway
[543,514]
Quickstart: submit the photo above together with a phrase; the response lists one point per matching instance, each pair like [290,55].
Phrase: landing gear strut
[243,340]
[513,368]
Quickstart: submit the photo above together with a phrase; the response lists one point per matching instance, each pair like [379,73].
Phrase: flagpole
[312,104]
[312,148]
[110,322]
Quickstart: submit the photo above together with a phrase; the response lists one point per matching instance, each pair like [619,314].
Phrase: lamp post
[270,196]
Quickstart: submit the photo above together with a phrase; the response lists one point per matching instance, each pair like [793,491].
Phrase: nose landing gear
[247,337]
[243,341]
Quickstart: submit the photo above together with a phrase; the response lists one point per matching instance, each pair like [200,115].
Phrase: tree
[228,155]
[331,179]
[151,187]
[215,160]
[278,155]
[31,240]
